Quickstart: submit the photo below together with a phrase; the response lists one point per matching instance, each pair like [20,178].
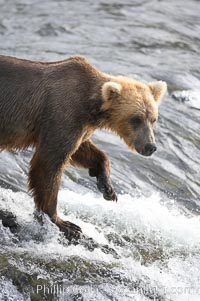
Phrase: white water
[190,97]
[157,241]
[149,224]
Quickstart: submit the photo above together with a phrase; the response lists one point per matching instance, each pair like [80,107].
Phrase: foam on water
[156,242]
[147,215]
[8,289]
[190,97]
[160,242]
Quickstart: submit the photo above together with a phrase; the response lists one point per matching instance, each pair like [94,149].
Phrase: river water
[148,244]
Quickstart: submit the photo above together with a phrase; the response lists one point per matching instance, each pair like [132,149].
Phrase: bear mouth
[147,152]
[143,153]
[146,155]
[139,151]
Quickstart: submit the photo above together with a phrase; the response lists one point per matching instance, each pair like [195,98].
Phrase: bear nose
[149,149]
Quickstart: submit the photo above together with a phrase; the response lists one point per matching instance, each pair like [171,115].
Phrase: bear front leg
[91,157]
[44,181]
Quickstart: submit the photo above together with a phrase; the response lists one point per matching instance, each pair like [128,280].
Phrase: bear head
[132,108]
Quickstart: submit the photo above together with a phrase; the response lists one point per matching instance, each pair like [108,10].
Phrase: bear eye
[136,121]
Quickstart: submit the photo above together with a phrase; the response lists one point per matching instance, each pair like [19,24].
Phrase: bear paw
[70,230]
[106,188]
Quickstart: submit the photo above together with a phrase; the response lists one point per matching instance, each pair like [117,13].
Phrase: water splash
[157,244]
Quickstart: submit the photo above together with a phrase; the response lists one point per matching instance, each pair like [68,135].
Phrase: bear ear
[110,90]
[158,90]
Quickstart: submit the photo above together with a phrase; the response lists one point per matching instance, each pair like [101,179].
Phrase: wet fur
[55,107]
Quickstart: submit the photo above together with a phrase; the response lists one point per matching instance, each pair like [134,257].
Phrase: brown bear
[56,106]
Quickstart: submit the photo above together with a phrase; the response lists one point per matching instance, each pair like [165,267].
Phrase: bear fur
[56,106]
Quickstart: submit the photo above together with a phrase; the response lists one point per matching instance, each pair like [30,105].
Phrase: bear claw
[107,190]
[70,230]
[110,197]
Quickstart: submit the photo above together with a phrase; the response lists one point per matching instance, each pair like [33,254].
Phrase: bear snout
[149,149]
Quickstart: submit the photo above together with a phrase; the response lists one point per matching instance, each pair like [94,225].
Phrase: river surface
[148,244]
